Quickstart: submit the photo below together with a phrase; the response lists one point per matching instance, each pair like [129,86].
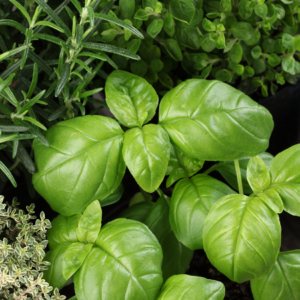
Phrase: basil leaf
[66,175]
[146,152]
[242,237]
[74,258]
[118,257]
[257,174]
[186,287]
[272,199]
[63,230]
[285,178]
[131,99]
[176,257]
[181,165]
[227,170]
[282,282]
[90,223]
[191,202]
[189,114]
[54,274]
[182,10]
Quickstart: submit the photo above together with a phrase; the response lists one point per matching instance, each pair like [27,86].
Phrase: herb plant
[22,245]
[253,44]
[49,69]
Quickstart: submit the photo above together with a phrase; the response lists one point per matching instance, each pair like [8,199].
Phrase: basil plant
[199,120]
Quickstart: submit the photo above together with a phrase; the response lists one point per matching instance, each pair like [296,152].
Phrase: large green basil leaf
[242,237]
[181,165]
[182,10]
[54,274]
[146,152]
[176,256]
[131,99]
[83,163]
[191,201]
[90,223]
[258,175]
[63,230]
[124,264]
[285,178]
[185,287]
[282,282]
[211,120]
[227,170]
[74,257]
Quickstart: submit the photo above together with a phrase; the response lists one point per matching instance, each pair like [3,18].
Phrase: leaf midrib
[78,154]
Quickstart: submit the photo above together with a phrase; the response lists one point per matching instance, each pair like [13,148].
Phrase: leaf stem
[239,176]
[160,192]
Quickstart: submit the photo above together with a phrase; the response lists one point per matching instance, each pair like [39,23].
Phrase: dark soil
[200,266]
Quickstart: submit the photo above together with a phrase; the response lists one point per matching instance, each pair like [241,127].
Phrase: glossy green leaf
[272,199]
[74,257]
[227,170]
[71,173]
[285,178]
[90,223]
[191,202]
[182,10]
[191,115]
[282,282]
[146,152]
[242,237]
[181,165]
[186,287]
[176,257]
[122,247]
[54,274]
[63,230]
[257,174]
[130,98]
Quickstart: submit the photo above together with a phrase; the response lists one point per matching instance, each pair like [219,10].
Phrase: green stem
[239,176]
[160,192]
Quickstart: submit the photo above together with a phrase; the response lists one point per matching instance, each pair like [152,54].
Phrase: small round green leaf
[146,152]
[155,27]
[236,53]
[242,30]
[129,97]
[173,49]
[242,237]
[182,10]
[185,287]
[272,199]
